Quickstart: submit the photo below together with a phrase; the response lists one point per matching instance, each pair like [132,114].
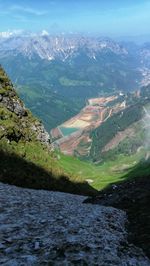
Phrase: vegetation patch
[109,129]
[68,82]
[103,173]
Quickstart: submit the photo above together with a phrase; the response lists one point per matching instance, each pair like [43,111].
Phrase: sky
[105,17]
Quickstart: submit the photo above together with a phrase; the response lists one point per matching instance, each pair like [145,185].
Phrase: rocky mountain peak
[58,47]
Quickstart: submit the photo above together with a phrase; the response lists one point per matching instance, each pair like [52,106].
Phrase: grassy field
[100,175]
[69,82]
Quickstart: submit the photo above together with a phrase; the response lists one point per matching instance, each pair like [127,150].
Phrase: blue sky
[111,18]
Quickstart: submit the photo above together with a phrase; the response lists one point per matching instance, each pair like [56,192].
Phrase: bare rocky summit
[60,47]
[52,228]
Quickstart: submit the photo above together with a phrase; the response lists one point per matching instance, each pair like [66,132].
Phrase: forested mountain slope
[124,132]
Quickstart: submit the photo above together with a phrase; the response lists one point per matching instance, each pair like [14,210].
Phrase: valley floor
[52,228]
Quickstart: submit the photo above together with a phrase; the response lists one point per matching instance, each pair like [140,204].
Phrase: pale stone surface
[52,228]
[42,135]
[14,105]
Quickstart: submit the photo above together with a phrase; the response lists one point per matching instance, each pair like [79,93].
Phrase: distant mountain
[56,47]
[68,69]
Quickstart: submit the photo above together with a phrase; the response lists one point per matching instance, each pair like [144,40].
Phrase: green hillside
[101,175]
[130,120]
[26,158]
[50,107]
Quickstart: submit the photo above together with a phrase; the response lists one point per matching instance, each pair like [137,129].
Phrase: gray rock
[9,250]
[8,103]
[2,246]
[29,259]
[19,109]
[53,228]
[42,134]
[11,262]
[36,245]
[14,105]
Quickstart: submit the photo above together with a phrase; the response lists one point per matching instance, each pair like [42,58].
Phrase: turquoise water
[68,130]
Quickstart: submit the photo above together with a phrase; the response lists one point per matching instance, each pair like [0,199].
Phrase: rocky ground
[133,197]
[52,228]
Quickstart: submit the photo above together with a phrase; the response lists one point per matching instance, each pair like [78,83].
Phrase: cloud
[28,10]
[20,18]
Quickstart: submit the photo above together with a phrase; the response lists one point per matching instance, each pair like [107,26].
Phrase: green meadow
[102,174]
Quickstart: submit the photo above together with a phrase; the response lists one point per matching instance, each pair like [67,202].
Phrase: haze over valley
[74,133]
[62,72]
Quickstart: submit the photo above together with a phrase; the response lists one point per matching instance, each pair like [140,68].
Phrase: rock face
[53,228]
[13,105]
[11,102]
[41,133]
[133,196]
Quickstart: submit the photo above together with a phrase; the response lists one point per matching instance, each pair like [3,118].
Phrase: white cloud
[8,33]
[28,10]
[44,33]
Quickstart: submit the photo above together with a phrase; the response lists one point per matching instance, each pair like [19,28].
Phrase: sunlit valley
[74,137]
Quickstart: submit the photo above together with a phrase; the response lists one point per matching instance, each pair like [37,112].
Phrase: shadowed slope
[133,196]
[20,172]
[26,158]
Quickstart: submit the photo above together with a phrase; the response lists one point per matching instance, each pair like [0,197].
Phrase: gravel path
[52,228]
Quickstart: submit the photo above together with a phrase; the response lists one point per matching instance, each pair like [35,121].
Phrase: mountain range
[59,47]
[62,71]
